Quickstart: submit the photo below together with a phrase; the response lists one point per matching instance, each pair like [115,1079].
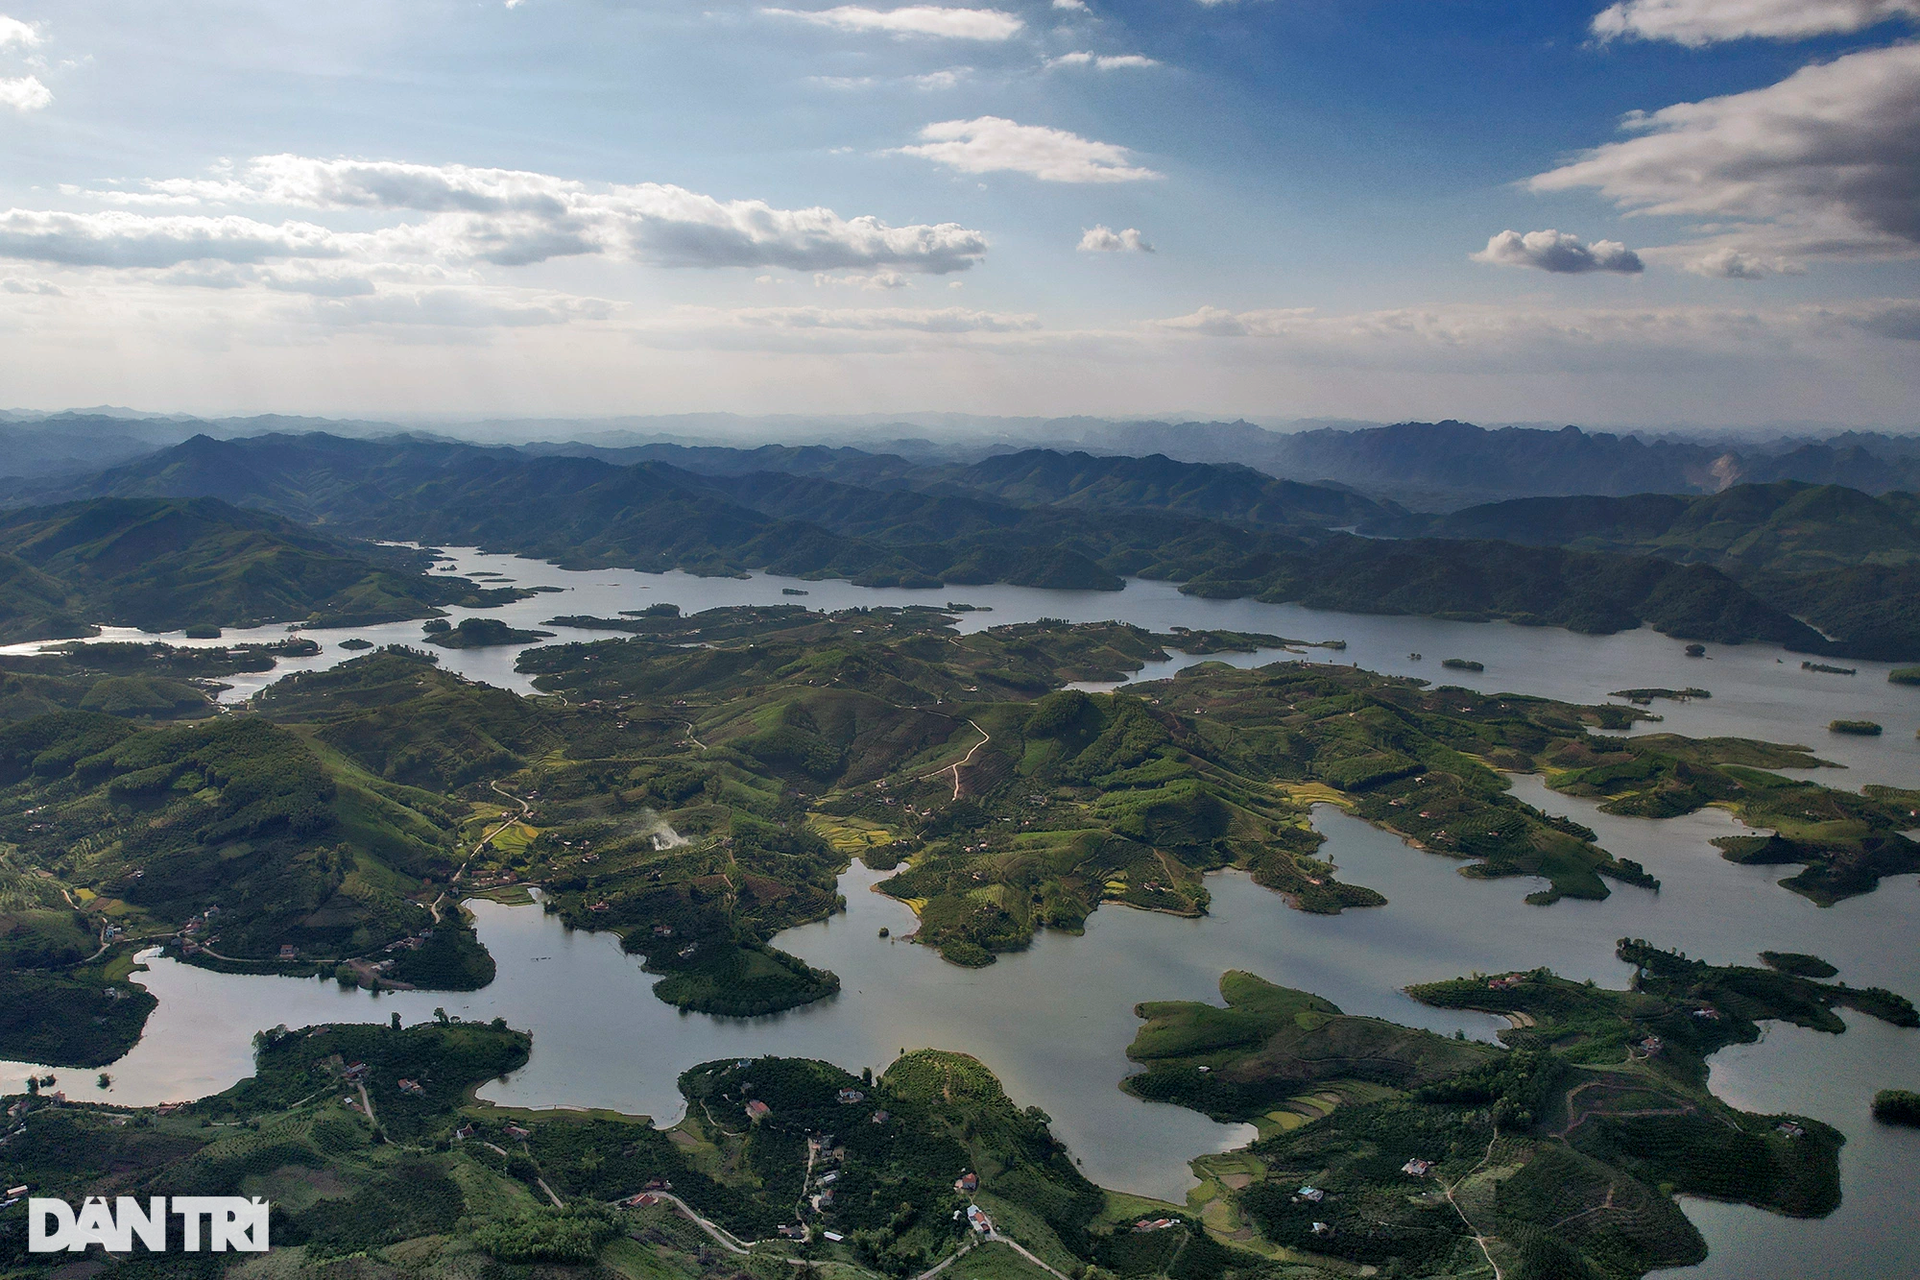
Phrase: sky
[1645,213]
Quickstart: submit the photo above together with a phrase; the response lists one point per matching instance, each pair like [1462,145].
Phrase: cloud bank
[498,217]
[1826,161]
[1695,23]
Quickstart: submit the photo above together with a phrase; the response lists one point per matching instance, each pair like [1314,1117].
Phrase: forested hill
[161,564]
[1846,561]
[1040,519]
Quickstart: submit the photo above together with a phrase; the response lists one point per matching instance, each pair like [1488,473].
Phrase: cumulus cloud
[912,20]
[15,32]
[1102,61]
[40,288]
[24,93]
[1828,160]
[1104,239]
[991,144]
[1701,22]
[1077,6]
[1729,263]
[500,217]
[1560,253]
[116,238]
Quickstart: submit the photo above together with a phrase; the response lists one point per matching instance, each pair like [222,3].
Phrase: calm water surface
[1054,1021]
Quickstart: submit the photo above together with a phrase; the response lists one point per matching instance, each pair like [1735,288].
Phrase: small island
[1859,728]
[1463,664]
[1904,675]
[1643,697]
[356,644]
[1897,1106]
[479,633]
[1798,964]
[1829,669]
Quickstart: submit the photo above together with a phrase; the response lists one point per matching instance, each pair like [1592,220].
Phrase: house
[658,1184]
[289,952]
[413,1087]
[833,1236]
[464,1132]
[1653,1045]
[1417,1168]
[1312,1195]
[850,1096]
[1324,1231]
[792,1230]
[1788,1128]
[1154,1224]
[758,1111]
[641,1201]
[879,1117]
[828,1179]
[978,1220]
[518,1134]
[968,1183]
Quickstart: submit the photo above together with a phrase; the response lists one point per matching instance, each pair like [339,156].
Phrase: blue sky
[1656,212]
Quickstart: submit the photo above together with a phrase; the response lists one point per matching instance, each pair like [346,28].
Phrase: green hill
[161,565]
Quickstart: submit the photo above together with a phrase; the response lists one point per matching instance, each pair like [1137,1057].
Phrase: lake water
[1054,1022]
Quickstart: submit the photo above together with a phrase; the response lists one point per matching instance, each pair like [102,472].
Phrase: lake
[1054,1022]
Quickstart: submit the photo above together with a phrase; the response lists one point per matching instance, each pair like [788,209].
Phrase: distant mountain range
[1750,563]
[1430,466]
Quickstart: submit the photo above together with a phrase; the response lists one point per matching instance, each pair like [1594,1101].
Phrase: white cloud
[931,80]
[24,93]
[456,309]
[878,280]
[1826,161]
[500,217]
[1076,6]
[1700,22]
[13,31]
[991,144]
[878,319]
[1729,263]
[1102,61]
[1560,253]
[1104,239]
[41,288]
[912,20]
[1216,322]
[115,238]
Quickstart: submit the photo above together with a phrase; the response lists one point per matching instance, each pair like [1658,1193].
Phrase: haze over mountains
[1819,567]
[1432,466]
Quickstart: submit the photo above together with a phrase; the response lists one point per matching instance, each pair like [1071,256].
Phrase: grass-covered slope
[161,565]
